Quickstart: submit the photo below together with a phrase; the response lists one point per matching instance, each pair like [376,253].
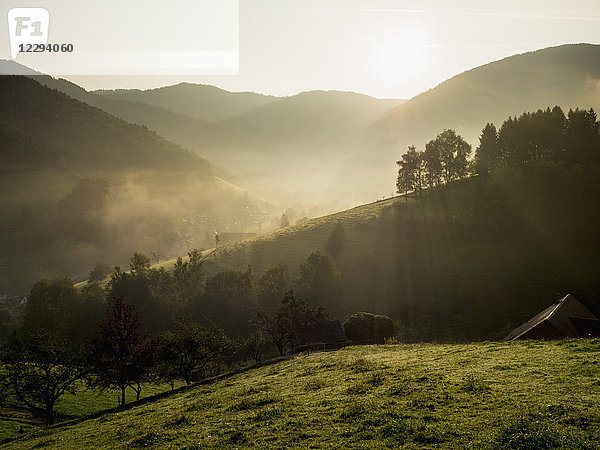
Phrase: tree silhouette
[192,348]
[487,155]
[433,164]
[122,357]
[447,156]
[293,315]
[39,368]
[139,264]
[271,286]
[411,172]
[319,279]
[189,276]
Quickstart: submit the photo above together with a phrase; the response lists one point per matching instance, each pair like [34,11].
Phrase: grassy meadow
[71,405]
[483,395]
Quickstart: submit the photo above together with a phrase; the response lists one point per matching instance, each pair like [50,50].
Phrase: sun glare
[401,57]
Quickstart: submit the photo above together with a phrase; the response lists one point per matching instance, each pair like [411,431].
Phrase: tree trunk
[123,396]
[50,414]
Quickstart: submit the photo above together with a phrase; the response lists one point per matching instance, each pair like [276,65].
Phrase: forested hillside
[80,186]
[58,129]
[566,76]
[469,258]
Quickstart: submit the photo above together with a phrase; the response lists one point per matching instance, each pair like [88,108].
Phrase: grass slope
[487,395]
[293,244]
[71,405]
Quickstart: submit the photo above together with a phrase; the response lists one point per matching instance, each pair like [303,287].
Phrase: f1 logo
[27,26]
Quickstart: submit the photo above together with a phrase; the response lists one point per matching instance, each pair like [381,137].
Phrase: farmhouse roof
[568,317]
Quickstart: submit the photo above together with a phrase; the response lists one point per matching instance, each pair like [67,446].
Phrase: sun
[401,57]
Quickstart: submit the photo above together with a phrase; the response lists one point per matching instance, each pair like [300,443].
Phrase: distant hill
[273,144]
[348,143]
[211,141]
[201,101]
[323,118]
[568,76]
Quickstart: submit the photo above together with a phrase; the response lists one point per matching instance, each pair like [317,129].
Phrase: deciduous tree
[192,348]
[39,368]
[121,356]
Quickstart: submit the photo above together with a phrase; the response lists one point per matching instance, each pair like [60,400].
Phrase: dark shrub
[366,327]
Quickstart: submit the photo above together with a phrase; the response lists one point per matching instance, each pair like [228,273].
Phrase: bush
[367,327]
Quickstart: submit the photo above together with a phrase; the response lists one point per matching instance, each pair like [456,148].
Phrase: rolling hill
[568,76]
[209,140]
[347,143]
[312,119]
[479,251]
[272,144]
[204,102]
[43,126]
[486,395]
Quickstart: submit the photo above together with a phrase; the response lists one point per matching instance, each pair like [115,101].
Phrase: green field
[85,402]
[71,405]
[486,395]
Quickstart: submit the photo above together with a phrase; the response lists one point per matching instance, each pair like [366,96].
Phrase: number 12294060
[39,48]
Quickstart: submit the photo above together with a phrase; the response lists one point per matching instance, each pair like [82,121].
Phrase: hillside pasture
[485,395]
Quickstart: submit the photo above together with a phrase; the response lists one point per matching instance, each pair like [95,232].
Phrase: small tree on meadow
[285,325]
[256,345]
[38,369]
[122,357]
[192,348]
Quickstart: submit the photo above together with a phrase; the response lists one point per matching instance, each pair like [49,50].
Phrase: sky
[383,48]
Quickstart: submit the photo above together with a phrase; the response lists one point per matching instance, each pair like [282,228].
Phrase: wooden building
[565,319]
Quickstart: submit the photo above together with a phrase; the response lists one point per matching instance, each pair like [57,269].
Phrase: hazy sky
[388,49]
